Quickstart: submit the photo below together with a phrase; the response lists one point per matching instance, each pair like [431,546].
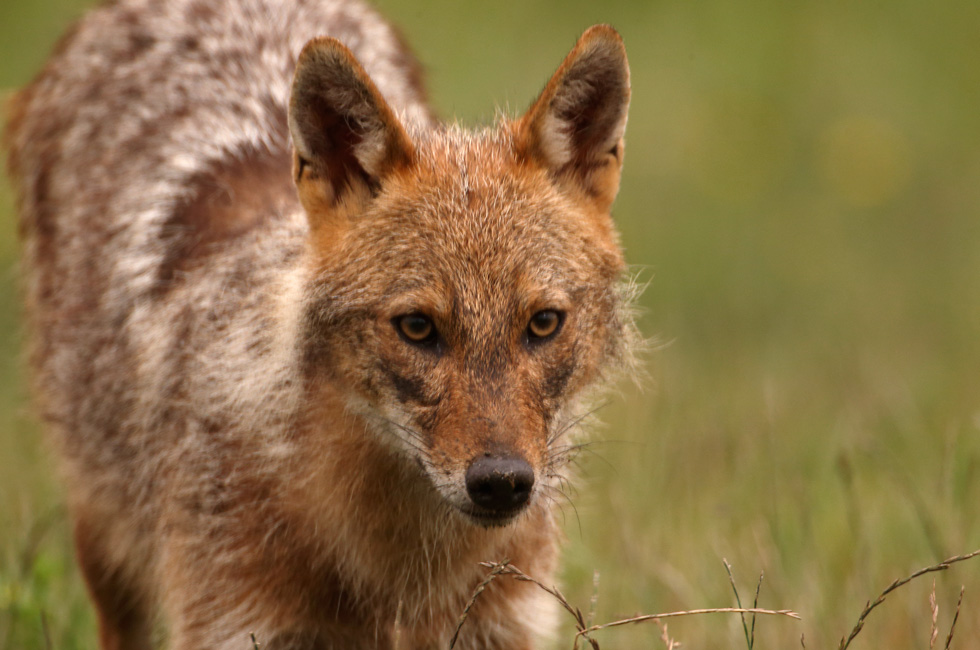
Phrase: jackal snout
[498,486]
[488,459]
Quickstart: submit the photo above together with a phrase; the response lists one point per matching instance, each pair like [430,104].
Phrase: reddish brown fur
[249,440]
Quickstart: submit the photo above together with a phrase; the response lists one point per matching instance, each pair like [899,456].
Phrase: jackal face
[466,286]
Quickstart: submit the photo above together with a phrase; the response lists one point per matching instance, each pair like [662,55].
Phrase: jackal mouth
[491,518]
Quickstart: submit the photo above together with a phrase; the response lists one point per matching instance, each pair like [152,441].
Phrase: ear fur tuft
[575,128]
[345,136]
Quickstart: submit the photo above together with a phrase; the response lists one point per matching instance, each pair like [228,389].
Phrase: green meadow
[801,198]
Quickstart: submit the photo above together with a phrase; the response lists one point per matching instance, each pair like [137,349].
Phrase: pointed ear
[575,128]
[346,138]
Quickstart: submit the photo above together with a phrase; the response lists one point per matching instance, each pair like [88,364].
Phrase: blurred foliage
[801,192]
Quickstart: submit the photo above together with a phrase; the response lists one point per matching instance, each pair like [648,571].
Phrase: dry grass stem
[585,628]
[580,624]
[692,612]
[956,616]
[942,566]
[495,570]
[582,627]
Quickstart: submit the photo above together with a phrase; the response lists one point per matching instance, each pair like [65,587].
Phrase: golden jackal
[309,356]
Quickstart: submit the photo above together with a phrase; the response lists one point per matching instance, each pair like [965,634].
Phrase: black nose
[499,484]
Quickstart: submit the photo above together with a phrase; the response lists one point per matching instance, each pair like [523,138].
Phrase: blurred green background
[801,193]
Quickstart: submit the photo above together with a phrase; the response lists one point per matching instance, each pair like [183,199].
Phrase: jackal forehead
[470,227]
[481,253]
[493,212]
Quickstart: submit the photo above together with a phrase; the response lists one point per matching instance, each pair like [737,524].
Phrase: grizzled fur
[218,247]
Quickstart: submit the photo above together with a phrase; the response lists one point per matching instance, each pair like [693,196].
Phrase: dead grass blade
[956,616]
[693,612]
[942,566]
[582,625]
[495,570]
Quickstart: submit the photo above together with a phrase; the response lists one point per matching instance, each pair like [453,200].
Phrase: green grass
[802,191]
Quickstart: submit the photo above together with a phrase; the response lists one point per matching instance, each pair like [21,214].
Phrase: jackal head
[466,288]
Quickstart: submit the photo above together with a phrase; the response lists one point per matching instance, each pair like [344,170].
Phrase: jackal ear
[346,138]
[575,128]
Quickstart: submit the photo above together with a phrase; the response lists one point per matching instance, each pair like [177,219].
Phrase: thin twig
[956,616]
[496,568]
[691,612]
[255,644]
[576,613]
[942,566]
[582,629]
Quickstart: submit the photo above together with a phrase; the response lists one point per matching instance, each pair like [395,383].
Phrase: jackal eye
[544,324]
[416,328]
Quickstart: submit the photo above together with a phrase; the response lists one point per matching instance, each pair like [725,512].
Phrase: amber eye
[544,324]
[416,328]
